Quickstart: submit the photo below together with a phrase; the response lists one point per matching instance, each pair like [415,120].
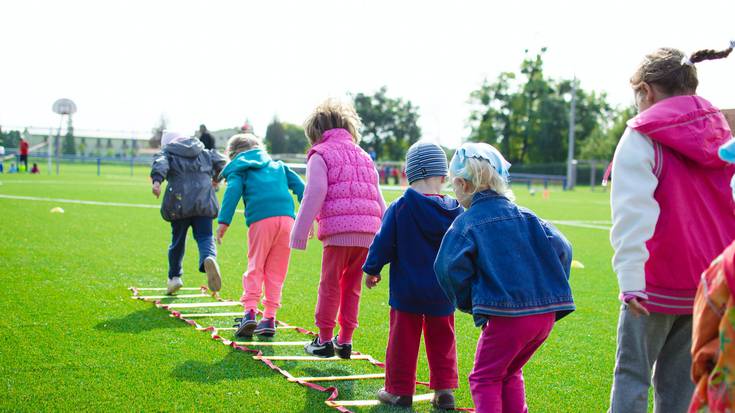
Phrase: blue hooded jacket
[263,185]
[409,239]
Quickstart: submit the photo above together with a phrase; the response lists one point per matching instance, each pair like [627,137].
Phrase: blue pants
[202,228]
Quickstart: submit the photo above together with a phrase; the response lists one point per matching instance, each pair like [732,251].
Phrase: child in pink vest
[342,194]
[671,217]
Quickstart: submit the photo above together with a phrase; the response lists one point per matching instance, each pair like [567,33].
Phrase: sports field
[72,339]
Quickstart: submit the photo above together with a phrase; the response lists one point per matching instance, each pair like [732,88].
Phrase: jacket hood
[188,148]
[253,159]
[689,125]
[441,212]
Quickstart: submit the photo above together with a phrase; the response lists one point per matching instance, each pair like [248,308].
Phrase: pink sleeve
[314,194]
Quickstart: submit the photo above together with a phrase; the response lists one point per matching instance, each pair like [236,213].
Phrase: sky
[127,63]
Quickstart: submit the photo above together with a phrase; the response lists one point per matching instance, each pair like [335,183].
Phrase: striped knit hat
[425,159]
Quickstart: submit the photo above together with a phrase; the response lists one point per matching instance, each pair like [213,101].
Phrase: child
[342,194]
[263,185]
[670,219]
[35,169]
[409,239]
[189,201]
[506,267]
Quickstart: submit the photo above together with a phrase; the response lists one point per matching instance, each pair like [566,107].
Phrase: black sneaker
[394,399]
[246,324]
[443,399]
[344,351]
[266,327]
[315,348]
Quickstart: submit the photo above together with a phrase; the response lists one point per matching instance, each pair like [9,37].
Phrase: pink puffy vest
[697,218]
[352,204]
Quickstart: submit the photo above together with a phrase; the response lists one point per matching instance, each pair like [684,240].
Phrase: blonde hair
[332,114]
[242,142]
[483,176]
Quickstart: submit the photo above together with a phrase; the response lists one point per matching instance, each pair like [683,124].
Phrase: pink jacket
[697,213]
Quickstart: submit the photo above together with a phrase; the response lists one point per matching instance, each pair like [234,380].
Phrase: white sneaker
[174,284]
[214,279]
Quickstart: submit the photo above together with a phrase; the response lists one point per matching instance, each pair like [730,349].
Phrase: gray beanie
[425,159]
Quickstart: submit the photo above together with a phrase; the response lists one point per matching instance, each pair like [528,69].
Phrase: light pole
[572,125]
[62,107]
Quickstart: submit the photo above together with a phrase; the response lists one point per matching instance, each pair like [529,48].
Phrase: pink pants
[268,255]
[506,344]
[339,291]
[403,351]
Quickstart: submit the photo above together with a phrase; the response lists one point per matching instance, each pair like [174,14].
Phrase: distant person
[13,168]
[408,240]
[35,170]
[24,153]
[206,138]
[2,158]
[349,208]
[506,267]
[189,201]
[373,154]
[670,219]
[263,185]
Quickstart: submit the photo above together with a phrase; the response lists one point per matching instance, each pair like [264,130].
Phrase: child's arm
[295,183]
[635,211]
[159,171]
[233,193]
[314,195]
[218,163]
[382,250]
[561,245]
[455,268]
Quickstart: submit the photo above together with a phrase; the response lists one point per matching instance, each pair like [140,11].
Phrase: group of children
[481,253]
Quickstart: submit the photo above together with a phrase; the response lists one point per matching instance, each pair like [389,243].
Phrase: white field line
[582,224]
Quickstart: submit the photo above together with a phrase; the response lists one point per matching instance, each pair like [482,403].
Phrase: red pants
[339,291]
[403,351]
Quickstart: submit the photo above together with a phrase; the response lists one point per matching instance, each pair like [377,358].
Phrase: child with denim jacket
[506,267]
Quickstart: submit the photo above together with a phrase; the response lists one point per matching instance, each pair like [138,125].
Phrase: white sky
[217,62]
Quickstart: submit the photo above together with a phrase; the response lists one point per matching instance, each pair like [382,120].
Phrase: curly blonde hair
[242,142]
[332,114]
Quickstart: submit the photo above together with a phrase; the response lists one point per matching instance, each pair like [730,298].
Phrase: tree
[10,139]
[296,141]
[275,137]
[390,125]
[601,144]
[68,147]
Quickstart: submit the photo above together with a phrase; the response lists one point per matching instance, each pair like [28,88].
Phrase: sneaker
[246,324]
[214,280]
[174,284]
[394,400]
[315,348]
[266,327]
[344,351]
[443,399]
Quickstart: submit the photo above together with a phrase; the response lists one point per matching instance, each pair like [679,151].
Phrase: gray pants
[662,340]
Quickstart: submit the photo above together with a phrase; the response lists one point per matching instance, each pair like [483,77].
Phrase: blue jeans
[202,228]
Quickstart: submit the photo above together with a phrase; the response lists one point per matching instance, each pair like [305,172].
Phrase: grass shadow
[140,321]
[236,365]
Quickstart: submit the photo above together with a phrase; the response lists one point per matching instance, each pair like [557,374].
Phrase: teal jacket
[263,185]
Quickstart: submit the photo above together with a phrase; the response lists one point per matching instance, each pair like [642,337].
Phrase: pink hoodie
[697,212]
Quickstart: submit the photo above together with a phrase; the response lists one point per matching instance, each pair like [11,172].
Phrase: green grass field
[72,338]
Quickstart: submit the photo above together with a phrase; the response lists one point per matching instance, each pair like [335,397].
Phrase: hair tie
[686,61]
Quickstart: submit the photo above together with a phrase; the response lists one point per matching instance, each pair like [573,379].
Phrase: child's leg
[176,250]
[640,340]
[673,387]
[402,352]
[276,266]
[350,285]
[441,350]
[260,240]
[202,228]
[504,347]
[328,299]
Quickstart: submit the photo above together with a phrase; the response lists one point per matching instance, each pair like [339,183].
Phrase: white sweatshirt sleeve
[635,211]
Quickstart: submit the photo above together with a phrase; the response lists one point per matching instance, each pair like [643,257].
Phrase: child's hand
[221,229]
[637,308]
[372,280]
[156,189]
[311,232]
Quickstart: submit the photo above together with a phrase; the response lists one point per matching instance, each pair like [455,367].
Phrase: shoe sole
[341,354]
[440,407]
[214,279]
[246,330]
[265,332]
[324,356]
[173,291]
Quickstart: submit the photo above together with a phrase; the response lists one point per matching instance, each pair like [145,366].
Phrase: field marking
[582,224]
[200,305]
[312,358]
[272,343]
[339,378]
[357,403]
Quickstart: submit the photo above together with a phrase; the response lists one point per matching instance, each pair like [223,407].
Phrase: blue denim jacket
[499,259]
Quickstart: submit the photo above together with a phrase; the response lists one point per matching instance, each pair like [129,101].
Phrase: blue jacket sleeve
[231,198]
[455,268]
[295,183]
[159,168]
[561,245]
[382,250]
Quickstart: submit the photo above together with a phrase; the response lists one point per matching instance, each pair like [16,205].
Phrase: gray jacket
[189,170]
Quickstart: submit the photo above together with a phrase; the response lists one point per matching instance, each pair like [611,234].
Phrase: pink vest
[352,204]
[697,219]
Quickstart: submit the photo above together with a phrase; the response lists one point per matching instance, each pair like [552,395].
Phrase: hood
[441,212]
[188,148]
[689,125]
[253,159]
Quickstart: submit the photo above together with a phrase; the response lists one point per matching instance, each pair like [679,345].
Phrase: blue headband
[727,151]
[458,166]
